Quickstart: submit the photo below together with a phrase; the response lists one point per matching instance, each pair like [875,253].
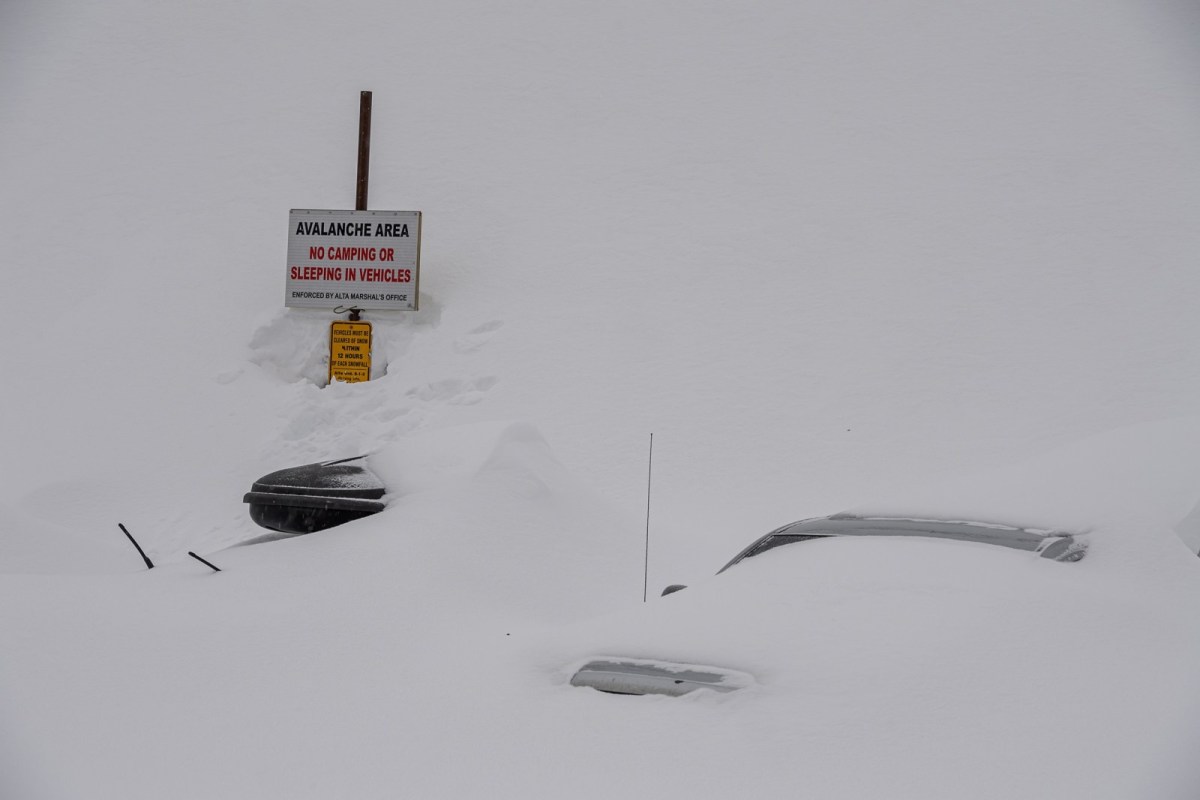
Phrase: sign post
[364,150]
[353,261]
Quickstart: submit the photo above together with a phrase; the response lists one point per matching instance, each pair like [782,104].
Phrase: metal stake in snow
[141,552]
[646,566]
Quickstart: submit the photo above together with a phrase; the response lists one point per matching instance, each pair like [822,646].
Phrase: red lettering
[316,273]
[353,254]
[386,275]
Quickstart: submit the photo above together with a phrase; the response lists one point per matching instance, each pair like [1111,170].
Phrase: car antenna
[646,563]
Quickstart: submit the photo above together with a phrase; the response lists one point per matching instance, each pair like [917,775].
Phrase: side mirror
[672,589]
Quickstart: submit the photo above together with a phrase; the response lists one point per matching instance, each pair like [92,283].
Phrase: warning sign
[363,259]
[350,352]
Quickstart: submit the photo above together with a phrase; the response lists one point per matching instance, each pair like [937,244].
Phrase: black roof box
[314,497]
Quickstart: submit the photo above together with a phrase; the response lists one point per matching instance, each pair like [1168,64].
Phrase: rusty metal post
[364,150]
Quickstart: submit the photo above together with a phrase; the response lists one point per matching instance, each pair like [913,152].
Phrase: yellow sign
[350,352]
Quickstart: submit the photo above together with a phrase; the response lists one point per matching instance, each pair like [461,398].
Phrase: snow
[922,259]
[956,671]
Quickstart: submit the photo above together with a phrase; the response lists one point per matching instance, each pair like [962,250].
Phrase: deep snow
[831,254]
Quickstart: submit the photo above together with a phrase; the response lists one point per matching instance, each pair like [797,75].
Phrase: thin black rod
[646,565]
[213,567]
[141,552]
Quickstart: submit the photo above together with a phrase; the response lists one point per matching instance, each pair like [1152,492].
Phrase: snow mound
[32,545]
[493,511]
[1128,485]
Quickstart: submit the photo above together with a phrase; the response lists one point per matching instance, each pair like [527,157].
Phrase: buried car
[962,660]
[640,676]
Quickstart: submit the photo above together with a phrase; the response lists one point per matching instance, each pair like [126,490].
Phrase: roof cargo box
[315,496]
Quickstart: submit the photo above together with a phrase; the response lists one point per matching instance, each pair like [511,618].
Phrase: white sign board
[365,259]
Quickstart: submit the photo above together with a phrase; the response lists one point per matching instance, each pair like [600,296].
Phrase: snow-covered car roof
[1056,545]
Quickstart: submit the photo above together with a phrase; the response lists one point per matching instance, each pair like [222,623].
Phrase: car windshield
[1055,545]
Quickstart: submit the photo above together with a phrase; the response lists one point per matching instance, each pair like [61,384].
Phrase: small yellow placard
[350,352]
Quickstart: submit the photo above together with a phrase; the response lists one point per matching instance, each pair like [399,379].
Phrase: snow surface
[917,257]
